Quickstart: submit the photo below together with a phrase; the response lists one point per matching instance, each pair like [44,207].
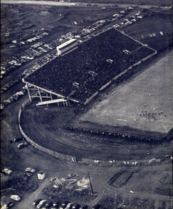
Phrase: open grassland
[145,103]
[152,24]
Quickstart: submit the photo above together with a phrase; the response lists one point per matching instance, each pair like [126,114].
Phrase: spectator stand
[81,73]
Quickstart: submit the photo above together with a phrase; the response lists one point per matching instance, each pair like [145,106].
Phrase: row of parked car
[10,84]
[39,63]
[24,175]
[13,98]
[44,204]
[34,51]
[11,204]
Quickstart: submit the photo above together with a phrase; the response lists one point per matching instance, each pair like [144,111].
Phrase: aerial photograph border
[86,104]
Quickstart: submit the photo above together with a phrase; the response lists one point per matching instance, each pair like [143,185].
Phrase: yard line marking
[121,119]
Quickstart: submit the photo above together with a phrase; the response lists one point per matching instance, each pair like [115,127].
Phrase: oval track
[45,127]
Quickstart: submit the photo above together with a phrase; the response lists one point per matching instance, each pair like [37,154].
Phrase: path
[33,196]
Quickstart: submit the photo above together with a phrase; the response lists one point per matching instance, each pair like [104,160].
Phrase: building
[66,47]
[80,74]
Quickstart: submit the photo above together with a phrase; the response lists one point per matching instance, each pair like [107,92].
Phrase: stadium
[80,79]
[83,69]
[95,101]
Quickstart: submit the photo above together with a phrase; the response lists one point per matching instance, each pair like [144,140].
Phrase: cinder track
[45,128]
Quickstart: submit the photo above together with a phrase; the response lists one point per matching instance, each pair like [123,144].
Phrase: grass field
[133,104]
[151,24]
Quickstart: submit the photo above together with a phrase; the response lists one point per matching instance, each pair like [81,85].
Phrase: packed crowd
[104,55]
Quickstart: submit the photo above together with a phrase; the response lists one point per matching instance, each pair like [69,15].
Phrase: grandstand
[80,74]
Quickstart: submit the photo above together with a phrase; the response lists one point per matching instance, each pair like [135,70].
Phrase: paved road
[52,3]
[39,2]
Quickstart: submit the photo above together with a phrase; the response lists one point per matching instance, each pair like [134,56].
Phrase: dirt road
[33,196]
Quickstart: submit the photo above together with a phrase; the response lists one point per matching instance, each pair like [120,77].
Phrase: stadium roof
[66,43]
[70,75]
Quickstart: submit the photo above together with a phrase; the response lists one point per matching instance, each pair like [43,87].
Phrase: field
[145,103]
[153,24]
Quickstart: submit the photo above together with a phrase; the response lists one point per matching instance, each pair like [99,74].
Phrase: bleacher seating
[59,75]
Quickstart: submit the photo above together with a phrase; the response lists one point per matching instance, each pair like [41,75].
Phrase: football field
[144,103]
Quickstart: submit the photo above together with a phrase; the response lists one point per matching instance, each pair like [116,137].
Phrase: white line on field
[122,119]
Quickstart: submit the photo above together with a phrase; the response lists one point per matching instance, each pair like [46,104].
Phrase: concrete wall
[39,147]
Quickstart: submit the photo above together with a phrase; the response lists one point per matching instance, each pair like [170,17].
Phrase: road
[52,3]
[39,3]
[33,196]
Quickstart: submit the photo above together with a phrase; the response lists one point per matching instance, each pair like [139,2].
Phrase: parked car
[56,204]
[47,205]
[69,206]
[7,171]
[4,206]
[10,204]
[41,203]
[15,197]
[63,205]
[32,170]
[18,139]
[36,202]
[21,145]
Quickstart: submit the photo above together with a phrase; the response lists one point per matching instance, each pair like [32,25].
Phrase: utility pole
[90,184]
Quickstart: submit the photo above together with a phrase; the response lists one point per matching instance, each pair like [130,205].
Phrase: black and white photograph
[86,106]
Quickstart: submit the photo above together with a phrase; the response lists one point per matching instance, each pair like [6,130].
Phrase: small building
[65,47]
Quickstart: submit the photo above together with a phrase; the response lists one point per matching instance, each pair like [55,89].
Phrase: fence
[90,98]
[39,147]
[126,163]
[87,161]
